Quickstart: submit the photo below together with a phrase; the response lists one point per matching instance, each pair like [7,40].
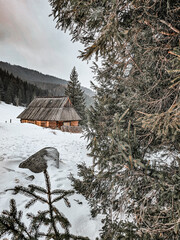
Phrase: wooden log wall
[55,124]
[27,121]
[74,123]
[52,124]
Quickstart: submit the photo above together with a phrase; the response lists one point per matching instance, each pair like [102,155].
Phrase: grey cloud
[26,28]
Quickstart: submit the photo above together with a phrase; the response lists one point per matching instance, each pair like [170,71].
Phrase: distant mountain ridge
[55,86]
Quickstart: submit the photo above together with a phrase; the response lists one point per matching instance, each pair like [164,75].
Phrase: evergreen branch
[11,223]
[71,236]
[175,54]
[68,204]
[62,196]
[170,26]
[28,192]
[31,202]
[35,188]
[60,191]
[39,219]
[50,202]
[64,222]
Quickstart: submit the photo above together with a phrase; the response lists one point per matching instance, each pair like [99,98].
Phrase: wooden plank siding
[51,124]
[74,123]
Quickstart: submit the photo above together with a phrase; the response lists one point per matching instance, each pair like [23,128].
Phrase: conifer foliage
[135,122]
[14,90]
[76,94]
[11,221]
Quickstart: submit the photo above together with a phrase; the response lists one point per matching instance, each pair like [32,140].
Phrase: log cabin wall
[74,123]
[42,123]
[59,124]
[38,123]
[23,121]
[27,121]
[52,124]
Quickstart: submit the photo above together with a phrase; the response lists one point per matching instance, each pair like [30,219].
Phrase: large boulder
[38,162]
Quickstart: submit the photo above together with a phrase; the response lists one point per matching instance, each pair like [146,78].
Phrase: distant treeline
[55,86]
[14,90]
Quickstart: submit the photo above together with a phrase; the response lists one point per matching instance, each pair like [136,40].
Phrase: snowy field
[18,142]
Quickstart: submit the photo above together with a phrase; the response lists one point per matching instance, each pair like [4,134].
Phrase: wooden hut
[51,113]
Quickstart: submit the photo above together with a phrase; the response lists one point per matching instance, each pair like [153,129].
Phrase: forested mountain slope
[14,90]
[55,86]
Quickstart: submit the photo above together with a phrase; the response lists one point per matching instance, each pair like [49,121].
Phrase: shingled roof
[50,109]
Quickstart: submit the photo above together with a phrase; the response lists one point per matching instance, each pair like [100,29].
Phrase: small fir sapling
[11,221]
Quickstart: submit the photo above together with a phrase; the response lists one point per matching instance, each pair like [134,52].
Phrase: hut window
[66,123]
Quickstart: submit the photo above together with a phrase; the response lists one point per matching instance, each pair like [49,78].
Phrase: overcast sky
[28,37]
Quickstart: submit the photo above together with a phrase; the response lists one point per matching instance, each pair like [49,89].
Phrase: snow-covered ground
[18,142]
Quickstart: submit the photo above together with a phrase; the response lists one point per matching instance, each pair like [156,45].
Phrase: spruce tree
[8,97]
[76,95]
[136,113]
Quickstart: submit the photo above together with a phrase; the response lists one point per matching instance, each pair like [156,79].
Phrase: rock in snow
[38,162]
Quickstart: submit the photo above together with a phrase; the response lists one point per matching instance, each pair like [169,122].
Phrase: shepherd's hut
[55,113]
